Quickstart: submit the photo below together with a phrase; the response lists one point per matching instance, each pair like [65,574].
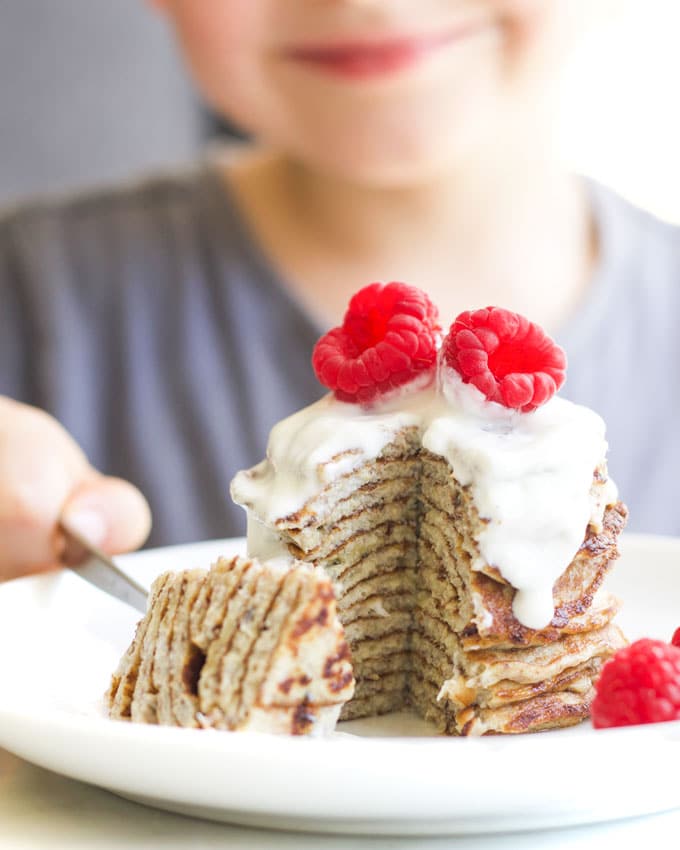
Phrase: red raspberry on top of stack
[389,336]
[509,359]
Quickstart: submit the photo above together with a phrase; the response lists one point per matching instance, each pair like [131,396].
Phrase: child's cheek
[224,44]
[541,32]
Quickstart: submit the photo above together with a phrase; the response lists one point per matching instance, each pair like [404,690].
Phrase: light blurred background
[93,91]
[621,117]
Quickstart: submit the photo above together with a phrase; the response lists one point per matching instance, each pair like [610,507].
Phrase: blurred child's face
[381,91]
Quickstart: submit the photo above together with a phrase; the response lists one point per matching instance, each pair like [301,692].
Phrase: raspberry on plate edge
[639,684]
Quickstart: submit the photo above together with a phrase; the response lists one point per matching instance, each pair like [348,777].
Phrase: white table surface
[40,810]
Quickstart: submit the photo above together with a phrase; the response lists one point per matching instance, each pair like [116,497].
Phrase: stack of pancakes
[243,646]
[429,624]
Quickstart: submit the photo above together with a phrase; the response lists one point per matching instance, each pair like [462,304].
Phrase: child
[167,325]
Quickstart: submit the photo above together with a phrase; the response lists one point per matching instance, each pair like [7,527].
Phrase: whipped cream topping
[312,448]
[530,474]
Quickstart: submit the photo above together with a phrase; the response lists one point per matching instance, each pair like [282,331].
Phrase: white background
[622,109]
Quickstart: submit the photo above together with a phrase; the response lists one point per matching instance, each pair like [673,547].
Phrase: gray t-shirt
[149,323]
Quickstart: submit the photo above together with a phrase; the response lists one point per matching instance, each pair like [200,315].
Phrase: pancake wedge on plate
[245,646]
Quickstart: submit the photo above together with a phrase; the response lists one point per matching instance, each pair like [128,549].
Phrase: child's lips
[365,59]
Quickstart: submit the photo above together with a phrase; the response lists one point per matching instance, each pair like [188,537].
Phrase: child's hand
[45,478]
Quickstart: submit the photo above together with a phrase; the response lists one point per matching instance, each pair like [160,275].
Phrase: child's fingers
[44,478]
[108,512]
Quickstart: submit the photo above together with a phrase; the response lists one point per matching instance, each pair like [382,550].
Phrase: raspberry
[509,359]
[675,640]
[388,337]
[640,684]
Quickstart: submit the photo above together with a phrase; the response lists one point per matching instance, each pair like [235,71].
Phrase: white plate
[61,639]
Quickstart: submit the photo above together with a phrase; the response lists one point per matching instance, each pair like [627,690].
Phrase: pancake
[243,646]
[462,511]
[424,612]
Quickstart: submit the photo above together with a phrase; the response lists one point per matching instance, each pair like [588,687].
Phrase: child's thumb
[109,513]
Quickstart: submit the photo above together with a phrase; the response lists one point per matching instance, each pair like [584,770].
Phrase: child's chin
[416,148]
[389,169]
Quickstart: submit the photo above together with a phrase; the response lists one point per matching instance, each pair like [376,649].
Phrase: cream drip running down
[531,475]
[462,510]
